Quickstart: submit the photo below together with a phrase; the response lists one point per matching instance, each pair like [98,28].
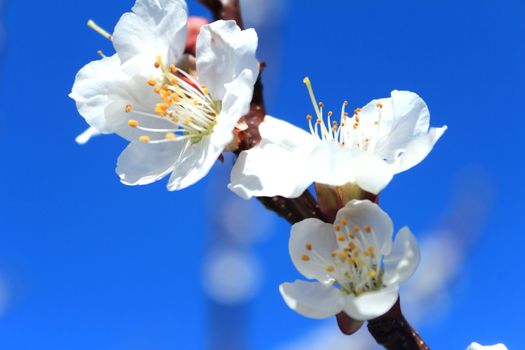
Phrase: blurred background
[88,263]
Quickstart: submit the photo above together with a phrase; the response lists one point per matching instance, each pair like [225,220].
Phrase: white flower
[476,346]
[356,266]
[386,137]
[178,114]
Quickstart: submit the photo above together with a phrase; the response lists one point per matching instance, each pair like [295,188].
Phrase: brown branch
[231,9]
[293,210]
[393,332]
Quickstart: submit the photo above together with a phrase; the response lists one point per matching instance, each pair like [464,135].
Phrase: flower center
[356,266]
[183,102]
[349,132]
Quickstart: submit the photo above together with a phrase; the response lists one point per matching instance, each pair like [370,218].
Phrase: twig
[226,9]
[293,210]
[393,332]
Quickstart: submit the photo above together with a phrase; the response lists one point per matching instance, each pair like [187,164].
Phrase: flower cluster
[180,109]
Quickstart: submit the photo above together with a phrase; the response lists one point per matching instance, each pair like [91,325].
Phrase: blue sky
[88,263]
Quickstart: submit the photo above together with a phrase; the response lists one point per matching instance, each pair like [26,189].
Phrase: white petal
[90,90]
[418,149]
[84,137]
[277,165]
[155,27]
[477,346]
[141,97]
[363,212]
[286,135]
[313,300]
[410,118]
[223,52]
[193,164]
[371,304]
[235,104]
[373,173]
[402,261]
[333,164]
[143,163]
[321,237]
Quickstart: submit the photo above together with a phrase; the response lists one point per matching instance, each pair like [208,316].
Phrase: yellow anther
[355,126]
[309,116]
[357,228]
[337,227]
[344,222]
[305,258]
[367,228]
[308,246]
[372,273]
[306,80]
[157,64]
[351,235]
[101,53]
[379,105]
[173,69]
[161,109]
[341,238]
[157,90]
[357,110]
[144,138]
[321,104]
[170,136]
[319,121]
[133,123]
[128,108]
[187,120]
[330,268]
[345,103]
[152,82]
[330,113]
[360,263]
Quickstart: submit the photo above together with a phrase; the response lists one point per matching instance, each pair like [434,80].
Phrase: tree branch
[226,9]
[293,210]
[393,332]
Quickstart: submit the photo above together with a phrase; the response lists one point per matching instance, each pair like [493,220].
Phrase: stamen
[99,30]
[144,139]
